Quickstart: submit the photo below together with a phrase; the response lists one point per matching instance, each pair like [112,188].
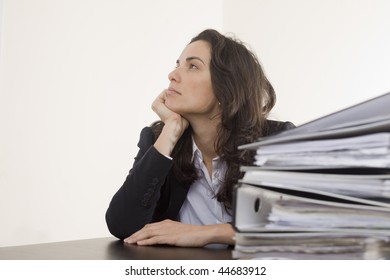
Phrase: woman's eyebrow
[195,57]
[191,58]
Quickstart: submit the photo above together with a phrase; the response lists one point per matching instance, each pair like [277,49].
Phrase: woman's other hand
[184,235]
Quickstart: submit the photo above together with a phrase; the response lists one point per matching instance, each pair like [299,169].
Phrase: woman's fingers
[168,232]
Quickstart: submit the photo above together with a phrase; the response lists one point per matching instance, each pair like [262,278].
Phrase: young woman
[179,190]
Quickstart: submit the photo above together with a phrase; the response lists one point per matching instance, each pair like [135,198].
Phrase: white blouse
[201,206]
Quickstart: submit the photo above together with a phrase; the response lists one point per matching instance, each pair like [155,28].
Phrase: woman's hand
[183,235]
[174,127]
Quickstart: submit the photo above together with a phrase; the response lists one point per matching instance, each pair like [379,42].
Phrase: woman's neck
[205,135]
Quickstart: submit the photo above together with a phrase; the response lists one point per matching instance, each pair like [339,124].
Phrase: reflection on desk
[108,249]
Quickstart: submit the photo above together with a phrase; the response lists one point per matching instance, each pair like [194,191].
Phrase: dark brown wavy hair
[246,97]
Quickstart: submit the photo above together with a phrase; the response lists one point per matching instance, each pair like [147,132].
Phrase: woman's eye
[193,66]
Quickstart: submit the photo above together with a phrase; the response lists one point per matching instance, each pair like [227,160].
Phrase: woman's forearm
[170,134]
[183,235]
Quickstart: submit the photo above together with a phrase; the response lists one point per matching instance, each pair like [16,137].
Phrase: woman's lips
[172,91]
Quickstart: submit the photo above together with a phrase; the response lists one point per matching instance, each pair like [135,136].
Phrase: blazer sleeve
[133,205]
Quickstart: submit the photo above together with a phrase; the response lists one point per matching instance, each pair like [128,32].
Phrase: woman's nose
[174,75]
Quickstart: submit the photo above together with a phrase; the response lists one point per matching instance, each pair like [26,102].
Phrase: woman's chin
[171,106]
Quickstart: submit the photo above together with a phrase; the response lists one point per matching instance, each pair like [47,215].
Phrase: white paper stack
[319,191]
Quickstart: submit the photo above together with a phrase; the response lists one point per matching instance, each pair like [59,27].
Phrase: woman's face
[190,90]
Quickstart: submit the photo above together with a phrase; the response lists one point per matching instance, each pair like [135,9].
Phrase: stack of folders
[320,190]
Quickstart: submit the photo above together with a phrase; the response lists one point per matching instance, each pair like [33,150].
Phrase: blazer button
[144,202]
[155,181]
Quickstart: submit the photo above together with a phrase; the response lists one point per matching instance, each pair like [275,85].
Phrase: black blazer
[150,192]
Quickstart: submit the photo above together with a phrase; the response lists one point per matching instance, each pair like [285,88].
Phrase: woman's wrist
[167,139]
[220,233]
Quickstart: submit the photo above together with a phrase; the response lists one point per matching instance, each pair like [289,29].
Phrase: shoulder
[152,131]
[273,127]
[146,138]
[149,134]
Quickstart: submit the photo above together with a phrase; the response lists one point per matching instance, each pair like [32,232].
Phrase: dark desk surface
[108,249]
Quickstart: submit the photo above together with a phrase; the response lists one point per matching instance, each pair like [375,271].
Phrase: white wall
[319,55]
[78,78]
[1,24]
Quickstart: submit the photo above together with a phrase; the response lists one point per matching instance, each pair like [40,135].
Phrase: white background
[77,78]
[274,269]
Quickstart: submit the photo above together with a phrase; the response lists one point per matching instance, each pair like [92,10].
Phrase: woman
[179,191]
